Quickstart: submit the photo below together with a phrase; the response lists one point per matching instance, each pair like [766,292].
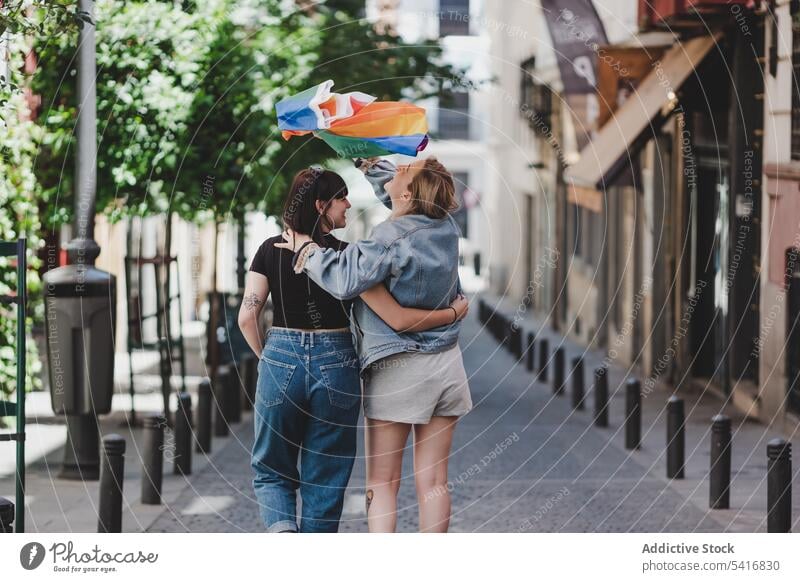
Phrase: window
[795,148]
[454,18]
[536,99]
[454,116]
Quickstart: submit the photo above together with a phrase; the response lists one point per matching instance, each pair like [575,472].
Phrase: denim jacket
[417,258]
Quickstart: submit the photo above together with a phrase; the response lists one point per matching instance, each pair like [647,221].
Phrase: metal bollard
[153,459]
[676,438]
[779,486]
[601,396]
[205,399]
[720,473]
[531,353]
[112,472]
[246,372]
[221,427]
[544,356]
[6,515]
[516,339]
[558,371]
[509,334]
[633,413]
[577,383]
[233,401]
[183,435]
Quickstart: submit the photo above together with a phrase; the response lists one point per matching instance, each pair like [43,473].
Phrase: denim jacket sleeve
[346,274]
[378,175]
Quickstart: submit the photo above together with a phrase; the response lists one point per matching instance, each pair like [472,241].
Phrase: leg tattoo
[369,499]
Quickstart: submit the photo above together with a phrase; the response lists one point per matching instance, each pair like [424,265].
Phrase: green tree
[148,57]
[229,133]
[18,217]
[187,91]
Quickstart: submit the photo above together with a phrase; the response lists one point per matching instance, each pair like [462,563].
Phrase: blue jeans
[307,405]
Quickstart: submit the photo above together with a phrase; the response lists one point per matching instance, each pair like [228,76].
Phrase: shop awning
[608,150]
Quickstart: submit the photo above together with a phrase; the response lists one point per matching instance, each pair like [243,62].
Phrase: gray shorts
[412,387]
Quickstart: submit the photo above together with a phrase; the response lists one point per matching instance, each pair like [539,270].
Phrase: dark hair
[300,211]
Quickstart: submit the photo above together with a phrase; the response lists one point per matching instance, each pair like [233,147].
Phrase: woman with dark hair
[308,374]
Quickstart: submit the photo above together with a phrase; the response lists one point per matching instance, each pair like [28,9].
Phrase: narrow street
[524,461]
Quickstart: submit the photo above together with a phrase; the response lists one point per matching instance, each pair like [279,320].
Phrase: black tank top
[296,299]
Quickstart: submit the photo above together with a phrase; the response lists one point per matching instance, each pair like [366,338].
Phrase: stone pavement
[522,461]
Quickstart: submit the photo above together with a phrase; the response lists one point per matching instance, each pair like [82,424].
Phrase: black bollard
[558,371]
[233,400]
[183,435]
[221,428]
[520,343]
[577,383]
[633,413]
[248,381]
[676,438]
[205,400]
[509,334]
[779,486]
[153,459]
[544,356]
[501,325]
[516,335]
[720,472]
[601,396]
[112,472]
[531,353]
[6,515]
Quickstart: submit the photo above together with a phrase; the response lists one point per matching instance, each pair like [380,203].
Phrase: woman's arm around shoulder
[344,274]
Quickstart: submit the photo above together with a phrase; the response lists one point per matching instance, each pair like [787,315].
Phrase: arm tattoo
[252,302]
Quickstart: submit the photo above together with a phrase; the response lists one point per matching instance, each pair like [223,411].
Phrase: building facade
[650,190]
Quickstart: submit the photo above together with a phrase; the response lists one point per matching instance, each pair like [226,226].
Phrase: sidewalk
[522,461]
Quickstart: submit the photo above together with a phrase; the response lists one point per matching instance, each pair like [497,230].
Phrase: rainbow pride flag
[354,124]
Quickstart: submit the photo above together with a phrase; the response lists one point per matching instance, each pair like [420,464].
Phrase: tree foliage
[18,218]
[187,93]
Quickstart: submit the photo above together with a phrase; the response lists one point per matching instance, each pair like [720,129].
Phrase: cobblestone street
[524,461]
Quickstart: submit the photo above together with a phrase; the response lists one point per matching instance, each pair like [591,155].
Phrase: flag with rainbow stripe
[354,124]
